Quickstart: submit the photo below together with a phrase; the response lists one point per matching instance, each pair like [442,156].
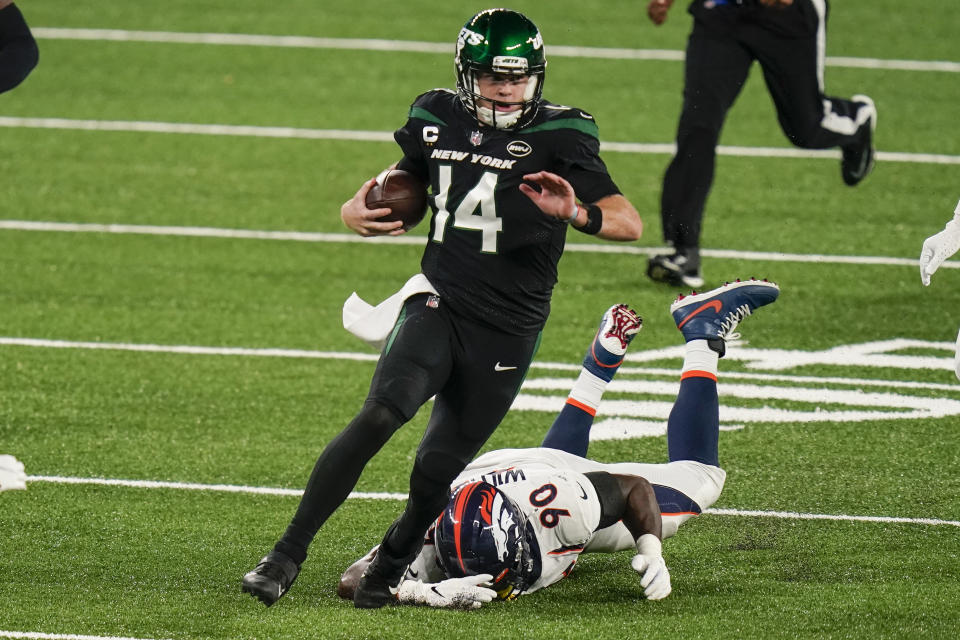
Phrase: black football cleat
[271,578]
[681,269]
[858,158]
[373,591]
[378,584]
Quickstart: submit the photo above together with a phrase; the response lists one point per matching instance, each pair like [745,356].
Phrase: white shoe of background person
[12,475]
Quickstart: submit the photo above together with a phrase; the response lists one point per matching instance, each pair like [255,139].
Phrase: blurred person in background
[788,39]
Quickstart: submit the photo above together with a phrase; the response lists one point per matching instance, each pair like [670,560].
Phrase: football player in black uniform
[509,172]
[18,49]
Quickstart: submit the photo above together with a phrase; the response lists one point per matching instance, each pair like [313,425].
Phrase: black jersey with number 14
[491,253]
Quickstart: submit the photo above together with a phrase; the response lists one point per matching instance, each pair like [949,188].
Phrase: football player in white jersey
[936,249]
[518,519]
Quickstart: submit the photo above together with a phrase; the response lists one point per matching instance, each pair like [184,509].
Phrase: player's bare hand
[365,222]
[657,11]
[779,4]
[555,198]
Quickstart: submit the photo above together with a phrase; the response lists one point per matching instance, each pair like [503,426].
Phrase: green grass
[166,563]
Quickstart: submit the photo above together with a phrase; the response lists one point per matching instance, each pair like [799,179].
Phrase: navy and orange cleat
[714,315]
[618,327]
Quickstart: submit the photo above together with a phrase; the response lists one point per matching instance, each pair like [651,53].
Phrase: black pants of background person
[726,39]
[18,49]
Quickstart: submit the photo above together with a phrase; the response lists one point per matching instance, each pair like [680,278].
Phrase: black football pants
[473,371]
[724,42]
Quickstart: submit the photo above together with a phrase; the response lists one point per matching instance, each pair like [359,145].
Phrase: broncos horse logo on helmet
[484,531]
[506,43]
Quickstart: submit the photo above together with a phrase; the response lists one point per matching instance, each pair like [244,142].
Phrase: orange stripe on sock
[582,407]
[694,373]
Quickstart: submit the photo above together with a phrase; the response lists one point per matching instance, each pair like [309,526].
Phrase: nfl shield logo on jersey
[476,138]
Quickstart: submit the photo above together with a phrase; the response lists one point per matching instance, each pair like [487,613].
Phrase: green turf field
[222,360]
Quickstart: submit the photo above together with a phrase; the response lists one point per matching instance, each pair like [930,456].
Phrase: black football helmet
[506,43]
[483,531]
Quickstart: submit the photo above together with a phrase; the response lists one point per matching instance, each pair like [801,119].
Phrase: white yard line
[298,133]
[197,129]
[36,635]
[205,232]
[443,48]
[303,236]
[619,385]
[188,349]
[191,486]
[792,515]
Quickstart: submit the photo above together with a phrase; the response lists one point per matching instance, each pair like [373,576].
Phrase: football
[403,193]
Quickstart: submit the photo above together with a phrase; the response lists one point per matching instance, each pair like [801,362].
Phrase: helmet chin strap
[503,119]
[500,120]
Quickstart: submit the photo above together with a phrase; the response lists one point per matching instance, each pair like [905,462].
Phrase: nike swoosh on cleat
[500,367]
[716,305]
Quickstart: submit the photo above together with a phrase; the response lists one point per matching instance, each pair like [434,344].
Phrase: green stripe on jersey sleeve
[588,127]
[422,114]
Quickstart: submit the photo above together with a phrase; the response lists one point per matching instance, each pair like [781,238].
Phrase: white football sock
[587,391]
[700,361]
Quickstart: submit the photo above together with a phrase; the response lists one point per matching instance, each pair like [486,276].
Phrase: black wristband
[594,220]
